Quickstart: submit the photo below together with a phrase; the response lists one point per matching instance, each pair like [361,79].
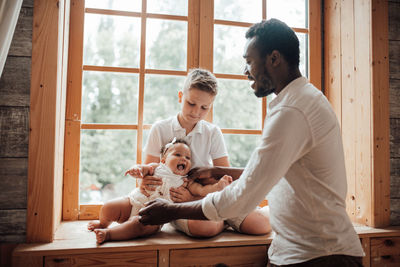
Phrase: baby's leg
[117,210]
[257,222]
[199,228]
[126,230]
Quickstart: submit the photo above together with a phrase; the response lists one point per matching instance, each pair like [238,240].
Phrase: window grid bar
[111,12]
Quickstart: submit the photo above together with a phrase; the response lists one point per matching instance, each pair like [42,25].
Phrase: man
[299,164]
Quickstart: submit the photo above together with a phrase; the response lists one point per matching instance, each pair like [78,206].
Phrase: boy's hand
[180,194]
[140,171]
[149,183]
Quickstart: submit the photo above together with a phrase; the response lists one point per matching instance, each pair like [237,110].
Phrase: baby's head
[176,155]
[198,95]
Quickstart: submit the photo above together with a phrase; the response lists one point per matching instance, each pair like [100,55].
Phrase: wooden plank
[70,210]
[380,115]
[14,131]
[362,124]
[394,98]
[385,251]
[332,51]
[395,138]
[193,34]
[75,54]
[365,242]
[89,212]
[6,254]
[31,261]
[394,59]
[46,111]
[206,40]
[138,258]
[21,44]
[348,102]
[15,82]
[394,20]
[395,180]
[315,44]
[229,256]
[13,178]
[395,211]
[27,3]
[12,225]
[163,258]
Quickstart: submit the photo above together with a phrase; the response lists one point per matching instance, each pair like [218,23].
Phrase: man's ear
[275,58]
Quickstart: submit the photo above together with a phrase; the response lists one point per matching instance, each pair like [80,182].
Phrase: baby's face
[178,159]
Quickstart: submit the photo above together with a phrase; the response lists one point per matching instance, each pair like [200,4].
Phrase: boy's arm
[215,172]
[140,171]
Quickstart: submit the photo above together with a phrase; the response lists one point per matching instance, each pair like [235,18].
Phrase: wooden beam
[46,120]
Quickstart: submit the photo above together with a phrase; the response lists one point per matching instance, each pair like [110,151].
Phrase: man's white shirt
[300,165]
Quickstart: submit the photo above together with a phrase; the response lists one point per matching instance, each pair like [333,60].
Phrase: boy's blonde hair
[201,79]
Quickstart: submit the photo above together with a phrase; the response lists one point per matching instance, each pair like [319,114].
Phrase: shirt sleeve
[286,138]
[218,148]
[154,142]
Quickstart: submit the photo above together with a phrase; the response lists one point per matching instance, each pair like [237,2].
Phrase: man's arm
[216,172]
[161,211]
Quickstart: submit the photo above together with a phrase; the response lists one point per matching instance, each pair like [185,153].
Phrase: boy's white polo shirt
[206,140]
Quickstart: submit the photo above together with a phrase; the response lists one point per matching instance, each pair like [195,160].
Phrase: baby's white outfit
[169,179]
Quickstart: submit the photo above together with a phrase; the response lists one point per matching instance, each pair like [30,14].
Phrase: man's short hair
[201,79]
[274,34]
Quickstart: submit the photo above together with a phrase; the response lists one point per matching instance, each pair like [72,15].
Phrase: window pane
[238,10]
[105,156]
[240,147]
[229,45]
[109,97]
[292,12]
[166,44]
[170,7]
[303,40]
[161,97]
[124,5]
[236,106]
[111,41]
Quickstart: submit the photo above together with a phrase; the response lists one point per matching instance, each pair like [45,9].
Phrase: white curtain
[9,12]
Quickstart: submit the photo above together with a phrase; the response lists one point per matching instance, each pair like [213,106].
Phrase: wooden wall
[394,70]
[14,130]
[14,125]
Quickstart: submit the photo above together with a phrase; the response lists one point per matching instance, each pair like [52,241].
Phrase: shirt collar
[296,83]
[177,126]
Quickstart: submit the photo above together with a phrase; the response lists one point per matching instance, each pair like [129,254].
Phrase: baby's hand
[140,171]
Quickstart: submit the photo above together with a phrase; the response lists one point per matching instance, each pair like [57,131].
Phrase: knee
[256,224]
[205,228]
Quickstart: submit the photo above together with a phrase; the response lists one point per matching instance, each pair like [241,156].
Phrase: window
[128,60]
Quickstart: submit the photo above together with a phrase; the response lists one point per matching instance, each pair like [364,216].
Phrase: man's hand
[157,212]
[149,183]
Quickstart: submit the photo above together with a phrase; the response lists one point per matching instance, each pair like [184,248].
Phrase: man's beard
[264,88]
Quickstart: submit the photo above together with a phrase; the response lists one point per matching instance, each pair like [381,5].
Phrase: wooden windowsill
[73,238]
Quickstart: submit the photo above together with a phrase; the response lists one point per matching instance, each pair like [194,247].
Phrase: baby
[174,166]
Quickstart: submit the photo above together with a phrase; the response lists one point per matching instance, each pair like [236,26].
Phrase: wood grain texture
[21,44]
[12,226]
[14,131]
[394,59]
[395,211]
[139,258]
[13,176]
[385,251]
[394,20]
[15,82]
[394,138]
[394,98]
[27,3]
[6,254]
[228,256]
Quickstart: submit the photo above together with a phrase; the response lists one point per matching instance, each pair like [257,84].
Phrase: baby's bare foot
[101,235]
[224,182]
[93,225]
